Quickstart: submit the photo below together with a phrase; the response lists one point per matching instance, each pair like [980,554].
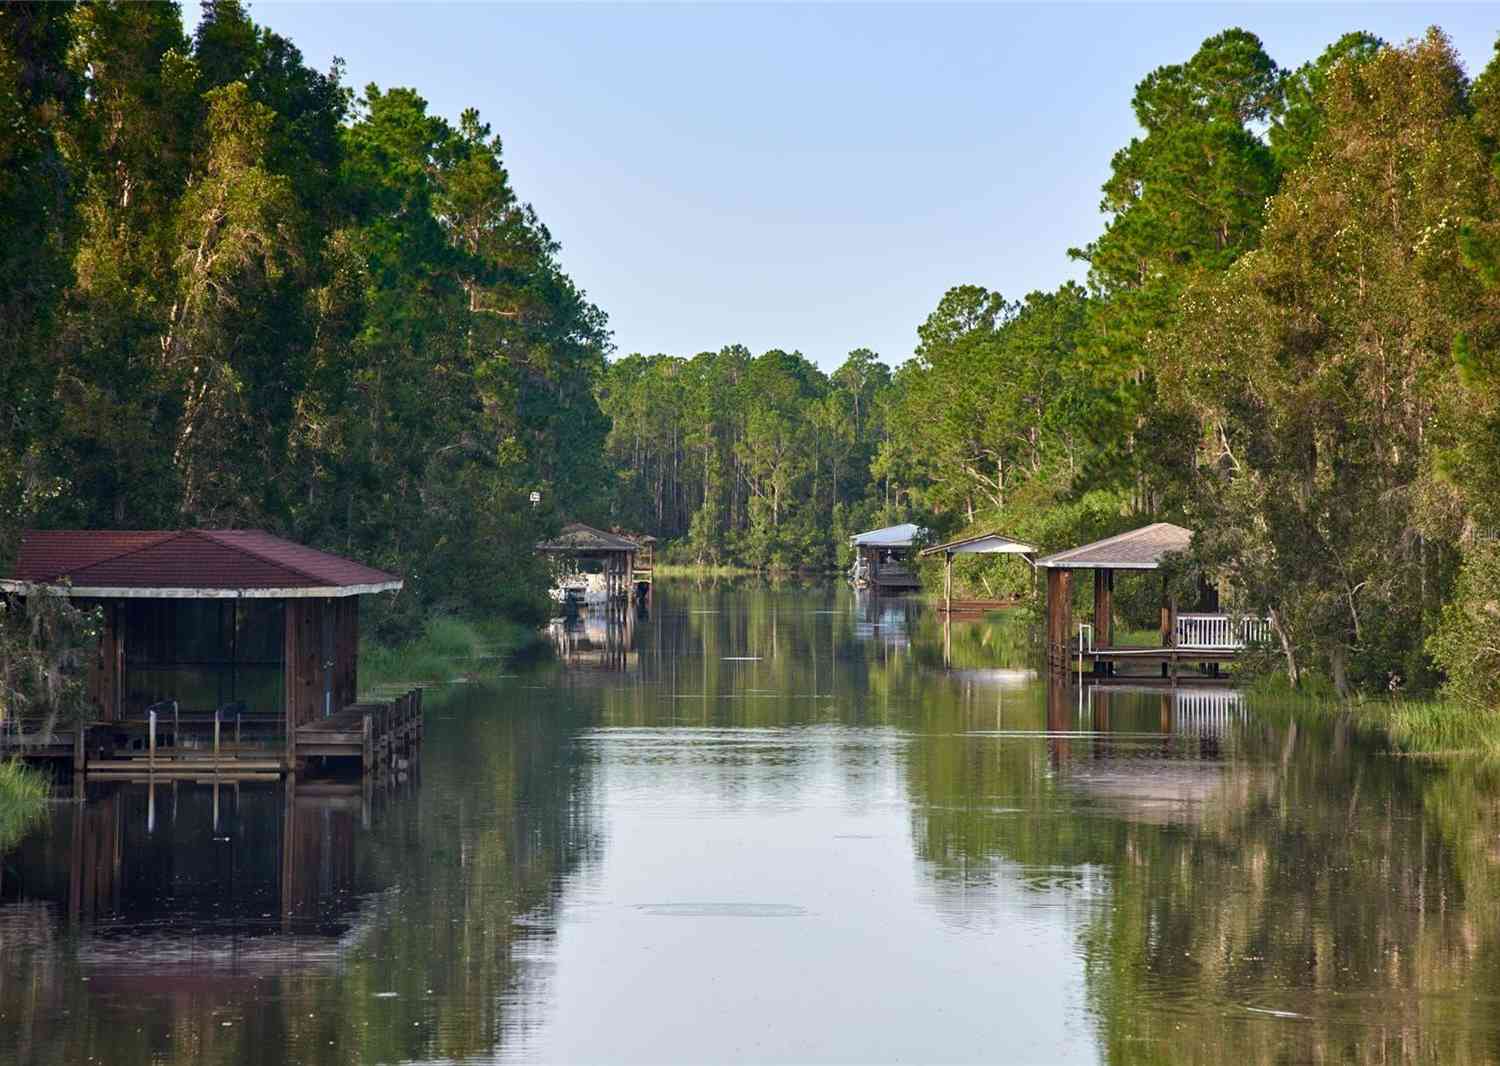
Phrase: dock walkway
[377,736]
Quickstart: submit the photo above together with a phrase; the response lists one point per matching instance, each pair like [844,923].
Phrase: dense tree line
[232,292]
[759,460]
[1289,340]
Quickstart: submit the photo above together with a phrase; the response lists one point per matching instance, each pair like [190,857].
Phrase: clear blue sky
[810,177]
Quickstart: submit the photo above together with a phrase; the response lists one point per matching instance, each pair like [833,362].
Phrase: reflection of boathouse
[599,640]
[179,880]
[230,650]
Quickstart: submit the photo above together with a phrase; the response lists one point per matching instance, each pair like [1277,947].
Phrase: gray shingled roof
[577,537]
[1140,549]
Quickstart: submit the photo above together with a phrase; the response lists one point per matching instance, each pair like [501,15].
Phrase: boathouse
[234,633]
[611,557]
[881,558]
[1205,635]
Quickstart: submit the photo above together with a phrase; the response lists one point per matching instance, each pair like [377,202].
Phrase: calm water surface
[772,825]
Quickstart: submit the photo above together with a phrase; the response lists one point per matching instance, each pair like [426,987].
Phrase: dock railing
[1219,632]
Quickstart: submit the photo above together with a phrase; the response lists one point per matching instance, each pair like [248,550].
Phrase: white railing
[1085,642]
[1219,632]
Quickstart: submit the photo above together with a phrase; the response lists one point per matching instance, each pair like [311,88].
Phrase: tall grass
[449,649]
[701,570]
[1432,728]
[23,799]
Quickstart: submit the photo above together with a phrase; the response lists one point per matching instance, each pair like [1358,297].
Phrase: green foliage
[47,645]
[447,649]
[751,460]
[23,801]
[1317,369]
[1467,642]
[254,300]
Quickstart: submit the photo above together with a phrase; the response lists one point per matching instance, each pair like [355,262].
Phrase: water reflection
[769,824]
[600,638]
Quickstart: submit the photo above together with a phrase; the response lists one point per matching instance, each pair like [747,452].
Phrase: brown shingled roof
[193,562]
[1139,549]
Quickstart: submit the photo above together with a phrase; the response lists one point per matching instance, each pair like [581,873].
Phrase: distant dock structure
[882,559]
[980,544]
[595,567]
[230,652]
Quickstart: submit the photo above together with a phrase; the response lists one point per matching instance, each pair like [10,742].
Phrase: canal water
[780,824]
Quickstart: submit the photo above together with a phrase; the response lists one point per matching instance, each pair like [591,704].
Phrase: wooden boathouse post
[1168,626]
[1104,614]
[1059,618]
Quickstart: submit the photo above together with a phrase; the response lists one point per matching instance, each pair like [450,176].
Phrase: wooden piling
[1104,613]
[1059,619]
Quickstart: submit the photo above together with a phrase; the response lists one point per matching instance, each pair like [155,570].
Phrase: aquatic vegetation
[1433,727]
[450,648]
[23,799]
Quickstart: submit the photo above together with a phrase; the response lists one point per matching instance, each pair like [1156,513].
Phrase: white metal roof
[901,536]
[983,544]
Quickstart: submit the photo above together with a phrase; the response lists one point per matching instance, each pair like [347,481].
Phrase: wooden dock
[378,734]
[375,736]
[975,608]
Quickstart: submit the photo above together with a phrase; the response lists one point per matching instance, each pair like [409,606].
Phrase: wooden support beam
[1104,608]
[1168,622]
[1059,619]
[948,582]
[1104,614]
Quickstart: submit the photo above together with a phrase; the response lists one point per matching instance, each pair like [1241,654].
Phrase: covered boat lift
[878,554]
[1206,636]
[981,544]
[615,553]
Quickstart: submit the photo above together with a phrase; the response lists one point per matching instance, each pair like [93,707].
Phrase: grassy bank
[23,798]
[695,570]
[1430,728]
[449,649]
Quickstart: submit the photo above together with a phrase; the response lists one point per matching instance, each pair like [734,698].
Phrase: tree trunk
[1293,675]
[1338,665]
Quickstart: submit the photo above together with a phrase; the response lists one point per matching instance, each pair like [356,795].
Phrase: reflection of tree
[1242,875]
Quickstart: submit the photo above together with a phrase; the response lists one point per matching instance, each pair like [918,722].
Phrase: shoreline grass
[450,649]
[23,799]
[697,570]
[1435,728]
[1429,728]
[702,570]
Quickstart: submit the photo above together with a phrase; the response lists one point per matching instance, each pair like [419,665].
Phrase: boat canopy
[902,536]
[983,544]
